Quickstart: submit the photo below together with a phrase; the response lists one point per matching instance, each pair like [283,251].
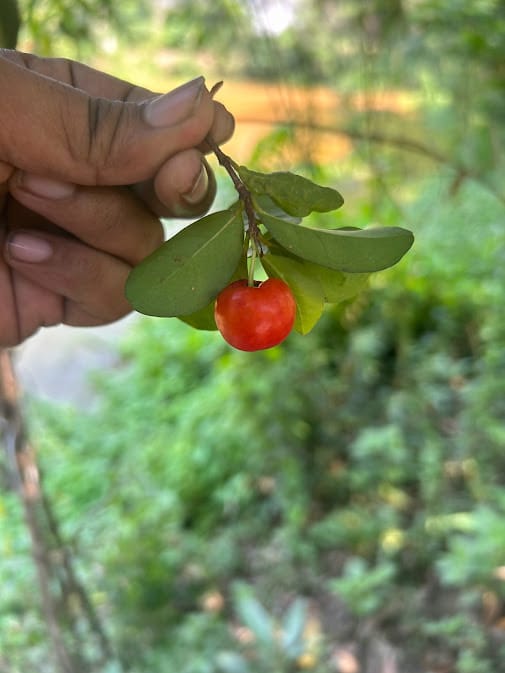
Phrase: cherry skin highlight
[252,318]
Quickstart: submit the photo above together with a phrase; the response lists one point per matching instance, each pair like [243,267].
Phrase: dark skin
[88,164]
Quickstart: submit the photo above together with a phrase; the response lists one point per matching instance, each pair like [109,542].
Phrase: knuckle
[106,135]
[152,237]
[157,238]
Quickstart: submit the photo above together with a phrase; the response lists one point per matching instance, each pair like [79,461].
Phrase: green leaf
[188,270]
[337,285]
[305,286]
[253,614]
[351,250]
[293,193]
[204,318]
[264,202]
[231,662]
[293,626]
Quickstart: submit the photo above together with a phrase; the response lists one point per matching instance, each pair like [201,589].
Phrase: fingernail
[25,247]
[174,106]
[199,189]
[47,188]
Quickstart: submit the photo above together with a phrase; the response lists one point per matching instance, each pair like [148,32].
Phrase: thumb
[52,129]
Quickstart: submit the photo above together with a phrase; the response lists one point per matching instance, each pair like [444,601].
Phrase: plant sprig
[183,277]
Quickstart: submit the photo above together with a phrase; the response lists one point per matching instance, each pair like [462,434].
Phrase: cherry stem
[254,255]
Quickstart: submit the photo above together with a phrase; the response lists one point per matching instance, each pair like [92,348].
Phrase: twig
[26,475]
[401,142]
[38,512]
[244,194]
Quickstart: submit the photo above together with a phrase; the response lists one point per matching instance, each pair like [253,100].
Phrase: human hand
[87,164]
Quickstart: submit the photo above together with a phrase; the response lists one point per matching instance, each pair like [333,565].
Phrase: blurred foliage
[435,49]
[9,24]
[68,28]
[360,468]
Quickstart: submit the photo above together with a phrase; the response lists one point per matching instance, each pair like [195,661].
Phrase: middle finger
[109,219]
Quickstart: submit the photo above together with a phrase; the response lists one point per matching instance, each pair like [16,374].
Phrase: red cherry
[254,318]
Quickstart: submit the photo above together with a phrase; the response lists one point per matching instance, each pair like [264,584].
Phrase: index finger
[80,76]
[99,84]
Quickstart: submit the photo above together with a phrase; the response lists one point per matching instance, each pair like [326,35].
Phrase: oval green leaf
[204,318]
[252,613]
[350,250]
[293,627]
[187,271]
[304,285]
[295,194]
[338,285]
[264,202]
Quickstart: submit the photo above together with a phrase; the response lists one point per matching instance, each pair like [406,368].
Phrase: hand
[87,165]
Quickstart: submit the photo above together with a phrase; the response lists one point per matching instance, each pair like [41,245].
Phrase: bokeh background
[336,504]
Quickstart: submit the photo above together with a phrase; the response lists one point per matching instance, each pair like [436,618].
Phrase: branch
[38,513]
[21,459]
[398,141]
[75,586]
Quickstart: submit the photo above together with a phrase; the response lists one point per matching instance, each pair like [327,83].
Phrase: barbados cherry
[252,318]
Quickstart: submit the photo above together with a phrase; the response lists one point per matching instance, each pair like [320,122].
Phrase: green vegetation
[264,513]
[9,24]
